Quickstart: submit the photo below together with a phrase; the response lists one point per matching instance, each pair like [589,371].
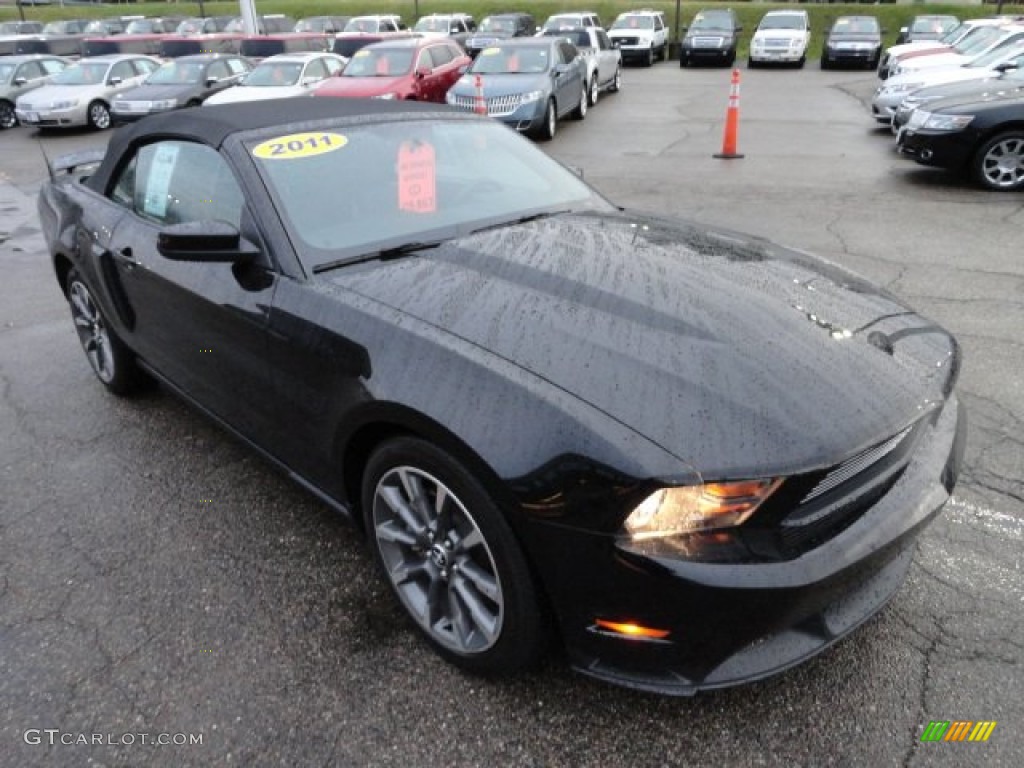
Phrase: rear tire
[595,91]
[111,361]
[7,117]
[616,85]
[580,113]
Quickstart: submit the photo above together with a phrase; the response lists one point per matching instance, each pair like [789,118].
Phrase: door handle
[125,257]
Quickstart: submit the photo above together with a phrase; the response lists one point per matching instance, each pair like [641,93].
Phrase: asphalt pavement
[159,582]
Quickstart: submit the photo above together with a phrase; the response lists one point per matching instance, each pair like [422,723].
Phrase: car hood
[156,92]
[737,356]
[256,93]
[502,85]
[49,94]
[941,60]
[989,99]
[783,34]
[361,87]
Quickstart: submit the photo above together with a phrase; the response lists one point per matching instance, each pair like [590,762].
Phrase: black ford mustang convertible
[691,457]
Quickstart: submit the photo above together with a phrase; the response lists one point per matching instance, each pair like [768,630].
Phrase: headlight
[796,44]
[689,509]
[385,96]
[163,104]
[933,122]
[532,96]
[64,104]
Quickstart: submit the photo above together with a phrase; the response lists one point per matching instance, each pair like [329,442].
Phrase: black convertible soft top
[213,124]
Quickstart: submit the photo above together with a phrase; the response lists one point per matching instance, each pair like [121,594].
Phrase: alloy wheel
[99,115]
[7,117]
[438,560]
[92,332]
[1002,162]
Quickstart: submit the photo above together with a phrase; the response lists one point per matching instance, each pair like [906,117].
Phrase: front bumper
[942,149]
[777,55]
[639,52]
[851,56]
[734,623]
[52,118]
[122,115]
[704,53]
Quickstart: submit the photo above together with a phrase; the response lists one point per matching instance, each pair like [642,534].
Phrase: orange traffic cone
[732,121]
[479,103]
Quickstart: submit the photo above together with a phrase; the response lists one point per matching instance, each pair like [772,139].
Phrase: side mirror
[423,71]
[20,80]
[1007,66]
[210,81]
[204,241]
[558,70]
[308,81]
[115,81]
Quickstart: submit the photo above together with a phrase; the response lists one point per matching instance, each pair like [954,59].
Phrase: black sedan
[694,457]
[184,82]
[970,90]
[982,136]
[853,40]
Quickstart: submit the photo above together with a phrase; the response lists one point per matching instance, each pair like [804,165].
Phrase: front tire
[580,113]
[111,361]
[7,117]
[999,162]
[451,558]
[99,116]
[550,127]
[595,91]
[649,61]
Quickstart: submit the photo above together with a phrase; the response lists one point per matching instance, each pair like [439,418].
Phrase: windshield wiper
[385,254]
[520,220]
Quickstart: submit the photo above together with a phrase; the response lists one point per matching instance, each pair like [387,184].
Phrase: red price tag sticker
[417,184]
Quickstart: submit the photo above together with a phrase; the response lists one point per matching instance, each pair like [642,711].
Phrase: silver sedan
[81,94]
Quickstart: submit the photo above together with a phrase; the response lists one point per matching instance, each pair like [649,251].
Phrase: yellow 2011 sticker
[296,145]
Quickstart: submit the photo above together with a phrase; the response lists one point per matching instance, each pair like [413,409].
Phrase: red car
[415,68]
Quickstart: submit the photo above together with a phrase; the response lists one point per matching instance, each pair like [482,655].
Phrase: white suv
[640,35]
[783,37]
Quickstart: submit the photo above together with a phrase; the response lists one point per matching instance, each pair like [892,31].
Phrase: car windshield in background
[142,27]
[83,73]
[931,26]
[177,73]
[189,27]
[511,60]
[634,22]
[275,73]
[415,184]
[977,42]
[361,25]
[579,37]
[379,62]
[432,25]
[711,21]
[789,21]
[865,26]
[997,55]
[97,28]
[497,25]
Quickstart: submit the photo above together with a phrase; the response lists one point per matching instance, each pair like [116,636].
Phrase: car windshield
[97,28]
[978,40]
[433,24]
[555,22]
[579,37]
[855,26]
[511,60]
[633,22]
[379,62]
[82,73]
[142,27]
[177,73]
[997,55]
[55,28]
[782,21]
[504,26]
[274,73]
[361,25]
[931,26]
[189,27]
[704,21]
[415,184]
[955,34]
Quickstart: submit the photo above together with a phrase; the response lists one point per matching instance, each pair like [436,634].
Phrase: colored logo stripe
[958,730]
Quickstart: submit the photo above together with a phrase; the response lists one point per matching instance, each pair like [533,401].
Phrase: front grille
[627,40]
[776,42]
[707,42]
[497,106]
[810,509]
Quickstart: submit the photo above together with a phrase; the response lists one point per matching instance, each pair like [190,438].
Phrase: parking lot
[156,577]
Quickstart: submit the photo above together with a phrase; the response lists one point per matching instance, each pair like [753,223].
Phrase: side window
[218,69]
[52,66]
[388,26]
[29,70]
[171,182]
[237,66]
[145,66]
[602,41]
[457,27]
[568,51]
[315,69]
[333,66]
[440,55]
[123,70]
[124,191]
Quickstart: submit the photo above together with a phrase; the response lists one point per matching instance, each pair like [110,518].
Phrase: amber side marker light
[628,629]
